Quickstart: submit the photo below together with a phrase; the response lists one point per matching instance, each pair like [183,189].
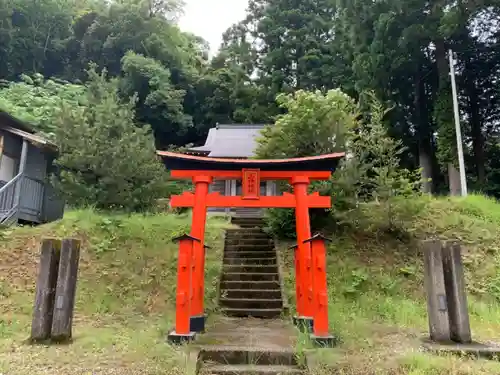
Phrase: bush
[105,160]
[314,124]
[370,173]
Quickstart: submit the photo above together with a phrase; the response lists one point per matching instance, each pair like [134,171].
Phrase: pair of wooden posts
[311,290]
[55,290]
[446,295]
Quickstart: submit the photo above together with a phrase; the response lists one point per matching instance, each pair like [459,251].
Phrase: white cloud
[210,18]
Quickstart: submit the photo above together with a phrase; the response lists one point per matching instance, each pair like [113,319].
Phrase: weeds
[376,297]
[125,294]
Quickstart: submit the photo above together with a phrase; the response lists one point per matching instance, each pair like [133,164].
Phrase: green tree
[314,124]
[373,174]
[295,44]
[371,171]
[104,159]
[39,29]
[159,103]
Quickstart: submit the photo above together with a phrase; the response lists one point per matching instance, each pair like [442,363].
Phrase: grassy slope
[125,295]
[127,280]
[376,293]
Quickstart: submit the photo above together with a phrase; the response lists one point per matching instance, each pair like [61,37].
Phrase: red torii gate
[310,257]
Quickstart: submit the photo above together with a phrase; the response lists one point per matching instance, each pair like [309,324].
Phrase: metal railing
[22,195]
[8,203]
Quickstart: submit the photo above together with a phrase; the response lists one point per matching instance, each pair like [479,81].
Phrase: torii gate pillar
[303,272]
[199,219]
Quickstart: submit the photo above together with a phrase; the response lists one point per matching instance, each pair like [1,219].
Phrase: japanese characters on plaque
[251,183]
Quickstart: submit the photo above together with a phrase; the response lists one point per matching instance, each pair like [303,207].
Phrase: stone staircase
[250,284]
[243,361]
[250,288]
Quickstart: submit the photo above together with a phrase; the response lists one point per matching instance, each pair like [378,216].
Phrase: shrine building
[234,142]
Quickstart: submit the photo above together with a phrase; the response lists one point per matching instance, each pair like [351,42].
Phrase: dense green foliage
[396,49]
[105,160]
[313,124]
[38,101]
[370,174]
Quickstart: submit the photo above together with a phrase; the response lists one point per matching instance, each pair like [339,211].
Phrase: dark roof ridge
[240,126]
[15,122]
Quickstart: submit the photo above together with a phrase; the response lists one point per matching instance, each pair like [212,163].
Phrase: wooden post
[437,306]
[303,227]
[182,331]
[66,290]
[45,290]
[1,148]
[456,295]
[199,219]
[320,335]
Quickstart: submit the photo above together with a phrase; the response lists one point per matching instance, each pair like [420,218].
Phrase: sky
[210,18]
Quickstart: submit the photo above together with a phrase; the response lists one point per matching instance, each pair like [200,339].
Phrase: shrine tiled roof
[230,141]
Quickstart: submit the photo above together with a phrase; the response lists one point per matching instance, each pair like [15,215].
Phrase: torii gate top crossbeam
[298,171]
[270,168]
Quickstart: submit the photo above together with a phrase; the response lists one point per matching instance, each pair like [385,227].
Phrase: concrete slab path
[251,333]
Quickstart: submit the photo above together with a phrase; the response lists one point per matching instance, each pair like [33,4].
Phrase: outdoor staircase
[250,283]
[242,361]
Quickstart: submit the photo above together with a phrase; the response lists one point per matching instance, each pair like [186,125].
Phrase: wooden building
[26,194]
[236,141]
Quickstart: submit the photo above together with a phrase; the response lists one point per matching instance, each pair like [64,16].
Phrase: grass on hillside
[376,295]
[125,294]
[126,289]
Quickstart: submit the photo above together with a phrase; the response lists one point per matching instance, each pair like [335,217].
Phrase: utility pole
[458,131]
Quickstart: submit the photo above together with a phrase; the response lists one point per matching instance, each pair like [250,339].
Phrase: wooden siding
[11,144]
[38,202]
[31,202]
[53,206]
[218,186]
[33,186]
[36,164]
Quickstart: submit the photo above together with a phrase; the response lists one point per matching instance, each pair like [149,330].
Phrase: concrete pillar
[437,306]
[456,294]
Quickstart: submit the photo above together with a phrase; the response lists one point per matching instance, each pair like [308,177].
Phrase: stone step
[252,293]
[256,313]
[247,238]
[246,233]
[250,370]
[251,268]
[249,261]
[251,303]
[248,241]
[250,254]
[249,225]
[247,230]
[250,247]
[236,356]
[250,276]
[247,220]
[256,284]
